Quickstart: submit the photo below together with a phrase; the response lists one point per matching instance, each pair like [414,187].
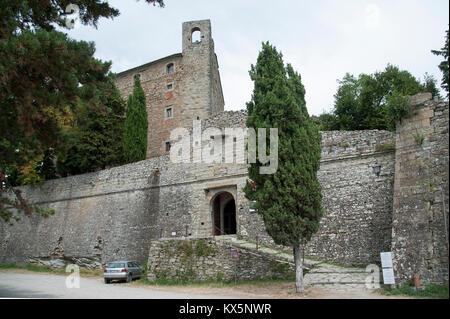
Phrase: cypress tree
[136,125]
[443,66]
[290,199]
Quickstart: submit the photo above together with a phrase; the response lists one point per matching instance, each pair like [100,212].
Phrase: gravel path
[27,285]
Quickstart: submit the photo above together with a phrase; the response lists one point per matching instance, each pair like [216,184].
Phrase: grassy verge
[430,291]
[321,261]
[210,283]
[342,265]
[57,271]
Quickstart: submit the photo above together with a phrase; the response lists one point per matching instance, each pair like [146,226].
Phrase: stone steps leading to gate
[319,273]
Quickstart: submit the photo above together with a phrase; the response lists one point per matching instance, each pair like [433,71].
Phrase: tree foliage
[374,101]
[443,66]
[39,83]
[136,125]
[325,121]
[95,142]
[44,76]
[290,199]
[20,15]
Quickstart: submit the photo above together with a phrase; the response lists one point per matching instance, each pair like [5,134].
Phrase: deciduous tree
[374,101]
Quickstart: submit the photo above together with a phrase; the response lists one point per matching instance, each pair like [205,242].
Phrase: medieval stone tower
[179,88]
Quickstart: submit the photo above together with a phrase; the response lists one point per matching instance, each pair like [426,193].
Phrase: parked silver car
[122,270]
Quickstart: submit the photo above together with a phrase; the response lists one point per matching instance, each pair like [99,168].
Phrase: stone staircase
[318,273]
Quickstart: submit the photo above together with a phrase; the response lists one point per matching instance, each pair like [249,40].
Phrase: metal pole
[235,272]
[303,255]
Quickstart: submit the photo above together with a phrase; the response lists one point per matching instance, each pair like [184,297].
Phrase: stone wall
[157,198]
[218,101]
[116,213]
[101,216]
[419,244]
[357,204]
[208,259]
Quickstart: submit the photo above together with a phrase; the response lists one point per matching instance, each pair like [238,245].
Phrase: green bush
[202,248]
[430,291]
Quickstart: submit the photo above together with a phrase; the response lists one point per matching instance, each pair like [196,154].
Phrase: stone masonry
[210,259]
[354,197]
[420,206]
[119,213]
[187,83]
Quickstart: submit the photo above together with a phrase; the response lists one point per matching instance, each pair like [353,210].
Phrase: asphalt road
[19,285]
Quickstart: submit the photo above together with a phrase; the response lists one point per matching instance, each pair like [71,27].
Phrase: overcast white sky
[322,39]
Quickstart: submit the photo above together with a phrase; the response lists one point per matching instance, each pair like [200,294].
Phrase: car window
[115,265]
[130,265]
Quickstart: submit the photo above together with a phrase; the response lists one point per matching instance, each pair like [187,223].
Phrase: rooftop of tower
[143,67]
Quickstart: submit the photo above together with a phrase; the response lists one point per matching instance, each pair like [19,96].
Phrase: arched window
[170,68]
[196,35]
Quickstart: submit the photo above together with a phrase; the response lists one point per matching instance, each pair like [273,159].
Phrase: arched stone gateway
[223,214]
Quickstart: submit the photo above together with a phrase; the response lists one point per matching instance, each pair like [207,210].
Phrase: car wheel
[129,278]
[106,281]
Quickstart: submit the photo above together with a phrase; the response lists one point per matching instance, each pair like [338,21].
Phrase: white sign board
[388,271]
[386,260]
[251,206]
[388,276]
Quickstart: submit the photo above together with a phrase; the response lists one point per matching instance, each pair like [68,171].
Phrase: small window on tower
[196,35]
[169,86]
[168,113]
[136,76]
[167,146]
[170,68]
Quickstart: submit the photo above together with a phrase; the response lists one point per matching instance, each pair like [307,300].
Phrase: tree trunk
[298,269]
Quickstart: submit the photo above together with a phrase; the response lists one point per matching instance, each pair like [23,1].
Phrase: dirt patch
[273,291]
[269,290]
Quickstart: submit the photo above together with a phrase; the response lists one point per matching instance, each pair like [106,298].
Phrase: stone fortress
[127,211]
[179,88]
